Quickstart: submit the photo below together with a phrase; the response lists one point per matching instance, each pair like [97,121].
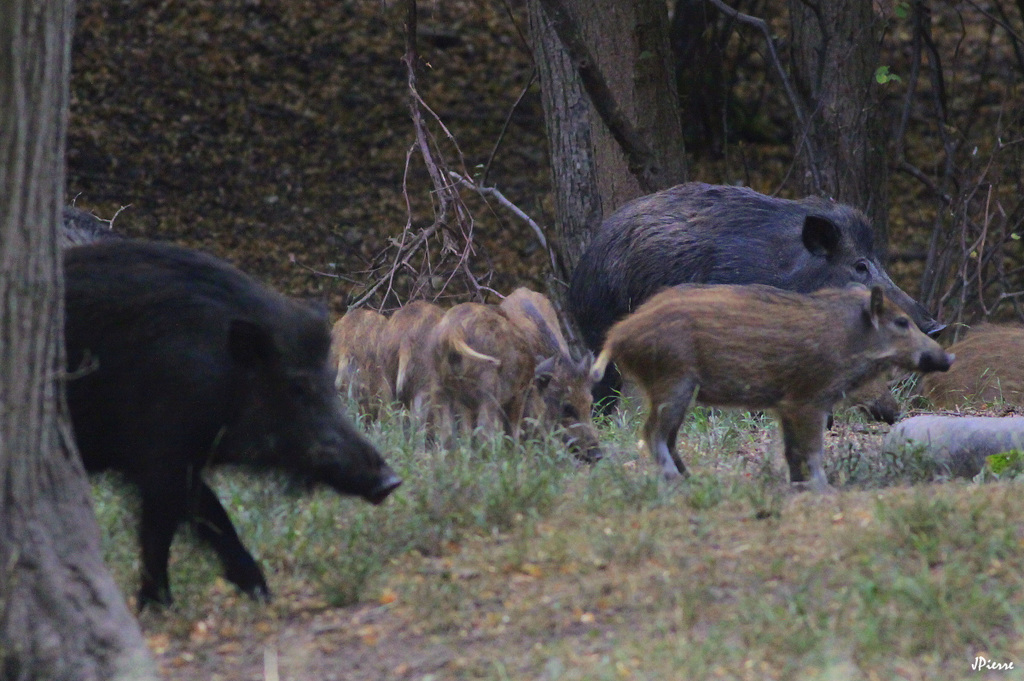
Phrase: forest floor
[493,564]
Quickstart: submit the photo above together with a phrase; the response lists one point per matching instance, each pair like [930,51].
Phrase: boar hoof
[247,576]
[152,598]
[259,593]
[813,486]
[672,475]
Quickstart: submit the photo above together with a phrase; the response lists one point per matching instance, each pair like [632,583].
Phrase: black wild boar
[179,362]
[561,391]
[707,234]
[356,352]
[989,369]
[759,347]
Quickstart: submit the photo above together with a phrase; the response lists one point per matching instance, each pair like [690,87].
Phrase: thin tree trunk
[590,171]
[842,152]
[61,615]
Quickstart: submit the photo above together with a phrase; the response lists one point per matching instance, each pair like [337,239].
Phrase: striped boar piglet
[759,347]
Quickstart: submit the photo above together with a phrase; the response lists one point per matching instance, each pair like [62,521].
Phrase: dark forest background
[278,135]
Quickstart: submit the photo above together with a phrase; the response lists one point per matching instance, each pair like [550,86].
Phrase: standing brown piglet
[561,394]
[409,356]
[484,368]
[355,350]
[761,348]
[990,369]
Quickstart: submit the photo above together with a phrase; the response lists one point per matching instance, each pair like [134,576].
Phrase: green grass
[532,566]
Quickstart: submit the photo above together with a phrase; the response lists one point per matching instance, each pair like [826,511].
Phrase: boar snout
[586,449]
[940,361]
[387,485]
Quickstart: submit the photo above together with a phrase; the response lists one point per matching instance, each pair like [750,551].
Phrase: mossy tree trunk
[61,615]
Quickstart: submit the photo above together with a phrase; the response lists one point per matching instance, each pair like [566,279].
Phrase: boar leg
[214,527]
[491,419]
[514,416]
[663,422]
[162,512]
[607,391]
[803,430]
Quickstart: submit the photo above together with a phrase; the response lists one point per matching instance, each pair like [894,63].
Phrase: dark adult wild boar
[357,354]
[707,234]
[989,369]
[561,393]
[179,362]
[759,347]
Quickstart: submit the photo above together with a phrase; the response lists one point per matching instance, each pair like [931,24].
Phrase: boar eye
[861,268]
[569,412]
[902,323]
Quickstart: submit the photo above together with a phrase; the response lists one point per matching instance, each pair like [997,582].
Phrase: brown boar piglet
[355,351]
[762,348]
[561,395]
[484,368]
[409,356]
[989,368]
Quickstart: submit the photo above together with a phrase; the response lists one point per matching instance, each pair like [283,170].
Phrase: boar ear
[249,344]
[821,236]
[542,374]
[586,362]
[876,306]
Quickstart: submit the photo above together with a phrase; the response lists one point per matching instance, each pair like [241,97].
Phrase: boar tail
[547,335]
[342,372]
[464,349]
[597,371]
[403,370]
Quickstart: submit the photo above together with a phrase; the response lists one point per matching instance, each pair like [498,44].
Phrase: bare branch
[453,222]
[516,210]
[780,71]
[504,127]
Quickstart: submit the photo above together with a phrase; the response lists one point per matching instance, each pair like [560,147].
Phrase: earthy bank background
[277,134]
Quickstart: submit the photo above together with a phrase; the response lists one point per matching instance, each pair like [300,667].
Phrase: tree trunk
[835,50]
[590,171]
[61,615]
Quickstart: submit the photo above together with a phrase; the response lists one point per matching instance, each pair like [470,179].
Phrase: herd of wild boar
[178,362]
[473,367]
